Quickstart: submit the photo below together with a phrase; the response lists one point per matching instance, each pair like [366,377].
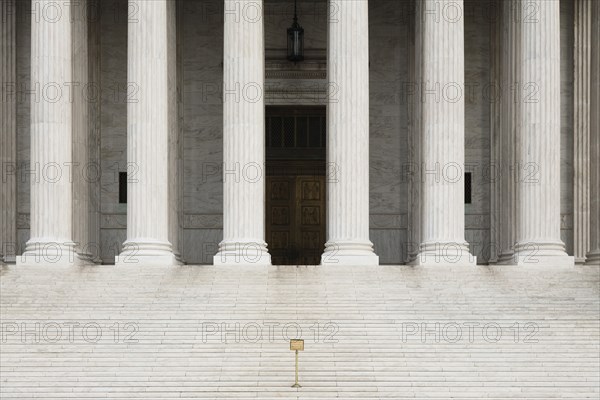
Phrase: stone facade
[199,82]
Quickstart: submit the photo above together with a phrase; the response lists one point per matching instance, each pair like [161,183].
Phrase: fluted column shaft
[538,233]
[581,129]
[348,136]
[81,134]
[510,107]
[51,234]
[441,35]
[243,136]
[150,206]
[593,257]
[415,221]
[495,133]
[8,133]
[94,116]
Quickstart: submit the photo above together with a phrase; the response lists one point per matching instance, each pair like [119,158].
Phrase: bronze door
[295,219]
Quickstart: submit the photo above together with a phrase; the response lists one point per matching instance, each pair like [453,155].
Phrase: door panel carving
[311,190]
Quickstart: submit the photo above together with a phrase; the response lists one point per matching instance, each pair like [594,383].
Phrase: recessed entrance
[295,205]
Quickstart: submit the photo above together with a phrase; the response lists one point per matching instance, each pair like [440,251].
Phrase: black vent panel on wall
[468,188]
[122,187]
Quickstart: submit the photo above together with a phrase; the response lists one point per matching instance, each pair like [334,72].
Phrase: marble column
[581,131]
[538,204]
[414,140]
[593,256]
[94,129]
[509,128]
[495,129]
[51,236]
[81,133]
[8,132]
[440,32]
[151,202]
[179,126]
[348,136]
[174,166]
[243,136]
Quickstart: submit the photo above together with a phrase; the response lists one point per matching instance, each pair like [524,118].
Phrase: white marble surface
[348,136]
[244,175]
[52,140]
[538,143]
[151,136]
[371,344]
[440,72]
[202,53]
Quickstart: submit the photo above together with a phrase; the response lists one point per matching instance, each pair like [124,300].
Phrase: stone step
[388,332]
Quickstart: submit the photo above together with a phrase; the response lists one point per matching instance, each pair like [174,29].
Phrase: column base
[147,253]
[50,254]
[580,260]
[349,254]
[435,259]
[593,257]
[410,259]
[240,253]
[444,254]
[506,258]
[542,254]
[179,258]
[87,258]
[9,259]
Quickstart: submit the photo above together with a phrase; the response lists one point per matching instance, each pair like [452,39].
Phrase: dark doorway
[295,198]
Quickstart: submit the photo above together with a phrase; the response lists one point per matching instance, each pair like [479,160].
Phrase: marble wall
[478,17]
[389,40]
[200,26]
[113,125]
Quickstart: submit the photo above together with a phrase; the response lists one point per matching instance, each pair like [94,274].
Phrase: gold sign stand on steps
[297,345]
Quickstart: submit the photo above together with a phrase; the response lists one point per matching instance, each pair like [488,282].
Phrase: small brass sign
[297,344]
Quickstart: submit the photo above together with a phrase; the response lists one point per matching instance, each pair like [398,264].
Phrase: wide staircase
[223,333]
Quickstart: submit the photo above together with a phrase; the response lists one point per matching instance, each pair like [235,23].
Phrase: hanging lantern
[295,42]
